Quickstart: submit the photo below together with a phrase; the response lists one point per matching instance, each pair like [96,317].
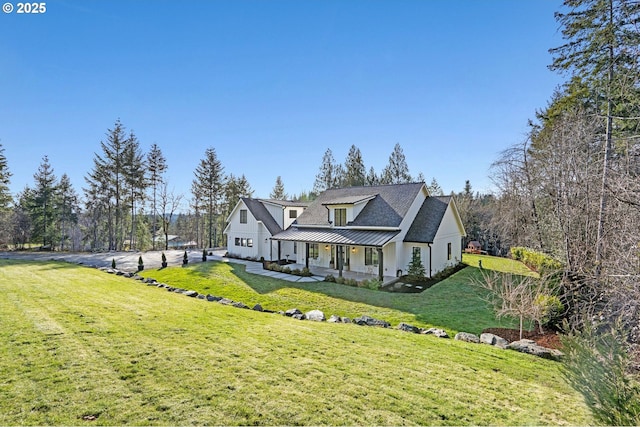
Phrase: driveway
[126,261]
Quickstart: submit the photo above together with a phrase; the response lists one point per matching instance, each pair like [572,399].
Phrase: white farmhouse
[370,229]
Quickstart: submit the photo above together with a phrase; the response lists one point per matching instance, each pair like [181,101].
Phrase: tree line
[127,203]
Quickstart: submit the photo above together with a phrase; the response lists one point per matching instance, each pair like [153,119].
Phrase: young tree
[278,192]
[157,166]
[208,187]
[169,203]
[354,170]
[397,171]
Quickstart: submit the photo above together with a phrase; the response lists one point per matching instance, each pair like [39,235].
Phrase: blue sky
[272,84]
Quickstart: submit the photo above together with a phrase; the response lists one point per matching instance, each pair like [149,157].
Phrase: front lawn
[81,347]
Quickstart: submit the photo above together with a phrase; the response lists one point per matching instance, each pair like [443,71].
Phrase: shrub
[113,263]
[329,278]
[286,270]
[164,258]
[374,284]
[204,255]
[305,272]
[538,261]
[551,309]
[416,268]
[351,282]
[296,272]
[185,258]
[340,280]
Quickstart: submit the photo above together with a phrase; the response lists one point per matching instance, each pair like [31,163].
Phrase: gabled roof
[427,221]
[260,213]
[387,206]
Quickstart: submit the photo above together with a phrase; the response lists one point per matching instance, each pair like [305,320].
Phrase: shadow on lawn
[41,264]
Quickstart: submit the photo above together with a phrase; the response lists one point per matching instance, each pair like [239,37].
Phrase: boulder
[467,337]
[211,298]
[258,307]
[440,333]
[240,305]
[292,312]
[408,328]
[494,340]
[225,301]
[334,319]
[370,321]
[530,347]
[299,316]
[316,316]
[201,296]
[345,320]
[191,294]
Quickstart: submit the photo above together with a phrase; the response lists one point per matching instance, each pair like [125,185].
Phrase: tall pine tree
[156,166]
[397,171]
[354,170]
[208,187]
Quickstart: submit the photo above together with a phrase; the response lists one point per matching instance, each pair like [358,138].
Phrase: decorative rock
[345,320]
[258,307]
[136,277]
[240,305]
[211,298]
[292,312]
[316,316]
[334,319]
[128,275]
[467,337]
[299,316]
[440,333]
[494,340]
[200,296]
[408,328]
[225,301]
[119,273]
[530,347]
[191,294]
[370,321]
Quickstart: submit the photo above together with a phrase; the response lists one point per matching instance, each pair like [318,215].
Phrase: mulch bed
[548,339]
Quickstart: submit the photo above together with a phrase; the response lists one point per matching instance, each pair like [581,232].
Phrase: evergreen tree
[135,181]
[43,209]
[157,166]
[5,179]
[208,187]
[354,170]
[397,171]
[434,188]
[5,199]
[69,208]
[327,177]
[372,178]
[234,189]
[278,192]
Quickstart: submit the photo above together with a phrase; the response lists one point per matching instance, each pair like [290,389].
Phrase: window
[237,241]
[293,213]
[250,243]
[243,216]
[244,242]
[295,248]
[313,250]
[370,256]
[448,250]
[340,216]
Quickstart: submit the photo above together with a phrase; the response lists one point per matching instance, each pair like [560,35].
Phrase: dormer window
[340,217]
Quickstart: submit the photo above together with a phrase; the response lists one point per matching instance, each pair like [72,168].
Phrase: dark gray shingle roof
[261,213]
[386,209]
[427,221]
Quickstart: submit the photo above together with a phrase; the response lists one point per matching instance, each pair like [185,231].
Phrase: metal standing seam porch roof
[337,236]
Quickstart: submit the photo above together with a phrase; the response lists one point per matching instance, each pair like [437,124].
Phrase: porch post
[306,258]
[279,252]
[340,261]
[380,265]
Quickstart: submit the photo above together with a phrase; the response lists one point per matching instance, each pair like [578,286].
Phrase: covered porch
[347,274]
[342,252]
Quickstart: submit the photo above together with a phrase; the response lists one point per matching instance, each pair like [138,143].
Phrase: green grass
[504,265]
[453,304]
[76,342]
